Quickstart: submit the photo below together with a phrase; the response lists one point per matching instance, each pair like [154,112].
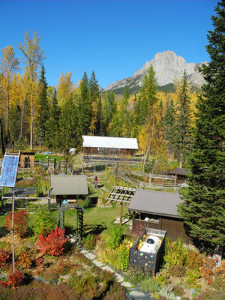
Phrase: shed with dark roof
[158,210]
[180,173]
[68,186]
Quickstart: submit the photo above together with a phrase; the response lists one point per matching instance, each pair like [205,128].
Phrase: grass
[51,157]
[93,216]
[2,220]
[99,215]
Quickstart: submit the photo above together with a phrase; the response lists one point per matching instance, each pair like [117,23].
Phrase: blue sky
[114,38]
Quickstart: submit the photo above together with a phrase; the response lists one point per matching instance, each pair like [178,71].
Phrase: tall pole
[13,250]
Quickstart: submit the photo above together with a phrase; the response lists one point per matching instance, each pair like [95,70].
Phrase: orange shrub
[20,222]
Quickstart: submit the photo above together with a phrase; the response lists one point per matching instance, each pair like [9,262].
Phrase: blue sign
[9,171]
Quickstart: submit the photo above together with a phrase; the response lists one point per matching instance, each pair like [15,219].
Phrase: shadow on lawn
[93,229]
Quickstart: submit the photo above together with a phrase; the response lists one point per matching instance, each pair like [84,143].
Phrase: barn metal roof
[69,185]
[157,203]
[109,142]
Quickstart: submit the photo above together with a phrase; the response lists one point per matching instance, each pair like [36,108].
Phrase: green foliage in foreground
[43,220]
[203,210]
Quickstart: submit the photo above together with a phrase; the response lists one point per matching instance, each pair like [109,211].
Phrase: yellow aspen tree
[33,57]
[65,88]
[8,64]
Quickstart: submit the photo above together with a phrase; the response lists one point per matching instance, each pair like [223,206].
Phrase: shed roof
[69,185]
[157,203]
[110,142]
[178,171]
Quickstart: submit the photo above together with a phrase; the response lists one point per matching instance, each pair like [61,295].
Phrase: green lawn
[42,157]
[94,216]
[99,215]
[2,220]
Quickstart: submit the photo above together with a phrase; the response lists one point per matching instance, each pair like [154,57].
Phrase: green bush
[123,257]
[87,202]
[150,285]
[115,234]
[89,242]
[176,253]
[43,220]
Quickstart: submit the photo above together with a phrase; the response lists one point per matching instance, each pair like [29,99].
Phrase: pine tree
[203,210]
[43,107]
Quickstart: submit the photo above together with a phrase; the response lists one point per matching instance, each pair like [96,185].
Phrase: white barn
[105,145]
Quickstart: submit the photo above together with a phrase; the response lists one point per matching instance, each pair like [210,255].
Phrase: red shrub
[20,222]
[4,255]
[14,279]
[52,243]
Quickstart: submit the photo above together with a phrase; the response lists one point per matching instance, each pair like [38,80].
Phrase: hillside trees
[204,200]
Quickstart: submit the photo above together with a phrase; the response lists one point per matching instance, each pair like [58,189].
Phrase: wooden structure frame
[123,195]
[80,213]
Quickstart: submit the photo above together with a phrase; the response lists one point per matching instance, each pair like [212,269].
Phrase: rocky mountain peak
[168,67]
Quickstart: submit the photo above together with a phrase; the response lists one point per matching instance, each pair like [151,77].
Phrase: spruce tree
[183,130]
[52,124]
[43,110]
[148,94]
[84,104]
[203,210]
[68,125]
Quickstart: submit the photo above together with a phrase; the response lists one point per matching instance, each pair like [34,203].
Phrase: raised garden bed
[148,261]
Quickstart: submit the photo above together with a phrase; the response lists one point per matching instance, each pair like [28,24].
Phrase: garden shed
[68,187]
[27,159]
[157,210]
[105,145]
[180,173]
